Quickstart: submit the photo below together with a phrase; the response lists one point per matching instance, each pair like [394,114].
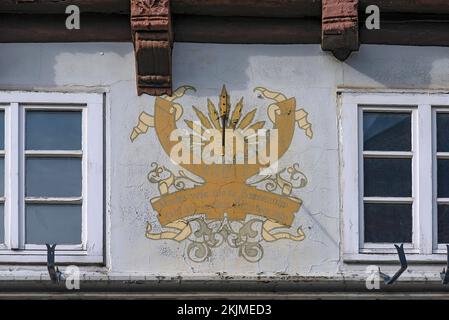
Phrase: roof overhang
[153,26]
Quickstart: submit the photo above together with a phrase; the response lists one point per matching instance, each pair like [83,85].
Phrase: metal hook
[403,260]
[53,271]
[445,273]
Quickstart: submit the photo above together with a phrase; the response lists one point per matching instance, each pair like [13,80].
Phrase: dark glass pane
[53,130]
[53,177]
[2,129]
[443,178]
[390,223]
[53,223]
[2,177]
[387,177]
[443,223]
[443,132]
[2,223]
[387,131]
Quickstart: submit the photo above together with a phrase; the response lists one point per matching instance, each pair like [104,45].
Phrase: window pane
[391,223]
[388,177]
[53,130]
[443,178]
[53,177]
[2,177]
[443,132]
[443,223]
[53,223]
[386,131]
[2,223]
[2,129]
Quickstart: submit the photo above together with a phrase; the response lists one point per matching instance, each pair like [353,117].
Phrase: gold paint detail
[205,235]
[274,110]
[303,123]
[284,182]
[182,231]
[146,120]
[217,204]
[269,235]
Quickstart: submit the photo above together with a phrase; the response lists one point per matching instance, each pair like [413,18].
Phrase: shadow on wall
[50,65]
[243,66]
[397,67]
[57,65]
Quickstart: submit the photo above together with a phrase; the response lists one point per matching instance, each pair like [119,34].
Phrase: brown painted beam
[51,28]
[116,28]
[58,6]
[250,8]
[408,33]
[246,30]
[408,6]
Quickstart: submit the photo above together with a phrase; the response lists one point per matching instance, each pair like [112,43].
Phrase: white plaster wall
[301,71]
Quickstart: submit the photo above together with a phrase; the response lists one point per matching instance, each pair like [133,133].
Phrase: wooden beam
[249,8]
[340,30]
[116,28]
[408,6]
[408,33]
[51,28]
[151,27]
[58,6]
[246,30]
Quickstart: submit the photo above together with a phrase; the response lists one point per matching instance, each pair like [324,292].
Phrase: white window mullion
[361,186]
[349,128]
[12,176]
[93,178]
[423,184]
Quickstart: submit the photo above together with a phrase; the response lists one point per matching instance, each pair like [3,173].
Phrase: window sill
[364,258]
[40,257]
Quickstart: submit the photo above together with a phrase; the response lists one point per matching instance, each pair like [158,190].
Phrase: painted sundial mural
[228,188]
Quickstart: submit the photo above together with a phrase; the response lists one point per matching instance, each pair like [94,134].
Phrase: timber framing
[340,27]
[153,26]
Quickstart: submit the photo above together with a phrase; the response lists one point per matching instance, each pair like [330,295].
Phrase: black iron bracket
[53,271]
[403,260]
[445,273]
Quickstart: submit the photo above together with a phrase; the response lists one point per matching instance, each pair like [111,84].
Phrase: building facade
[344,150]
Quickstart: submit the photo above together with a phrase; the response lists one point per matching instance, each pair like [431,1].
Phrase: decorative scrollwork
[245,236]
[213,234]
[167,180]
[285,181]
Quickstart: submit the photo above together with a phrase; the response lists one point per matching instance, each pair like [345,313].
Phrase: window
[51,181]
[441,124]
[394,151]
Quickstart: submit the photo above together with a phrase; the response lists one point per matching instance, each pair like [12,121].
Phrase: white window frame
[439,248]
[422,106]
[15,103]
